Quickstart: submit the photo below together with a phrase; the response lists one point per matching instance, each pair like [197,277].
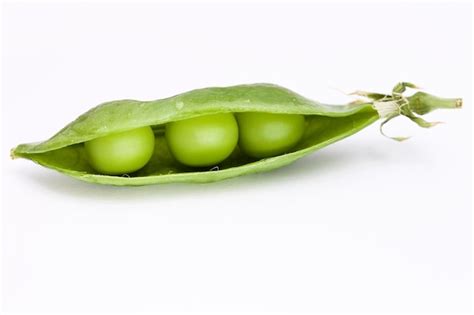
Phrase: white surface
[365,225]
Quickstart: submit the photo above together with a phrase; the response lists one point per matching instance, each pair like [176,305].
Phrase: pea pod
[324,124]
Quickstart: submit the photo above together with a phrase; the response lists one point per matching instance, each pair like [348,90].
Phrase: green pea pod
[325,124]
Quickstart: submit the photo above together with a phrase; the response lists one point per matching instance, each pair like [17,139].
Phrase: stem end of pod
[422,103]
[411,107]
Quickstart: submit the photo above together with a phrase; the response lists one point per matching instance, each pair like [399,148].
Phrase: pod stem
[396,104]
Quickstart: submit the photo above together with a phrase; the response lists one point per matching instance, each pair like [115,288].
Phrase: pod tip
[12,154]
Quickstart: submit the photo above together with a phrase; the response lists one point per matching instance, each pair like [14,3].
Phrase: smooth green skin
[65,153]
[264,135]
[121,153]
[204,140]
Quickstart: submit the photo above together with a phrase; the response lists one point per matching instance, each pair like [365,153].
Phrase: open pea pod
[325,124]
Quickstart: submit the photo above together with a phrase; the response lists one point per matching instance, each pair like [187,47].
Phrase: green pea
[121,153]
[265,134]
[203,141]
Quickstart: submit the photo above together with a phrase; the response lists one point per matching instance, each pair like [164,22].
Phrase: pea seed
[204,140]
[121,153]
[264,134]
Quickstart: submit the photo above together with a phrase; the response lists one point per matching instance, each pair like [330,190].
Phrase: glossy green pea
[265,134]
[202,141]
[121,153]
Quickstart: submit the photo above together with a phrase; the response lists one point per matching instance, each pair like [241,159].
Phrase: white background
[367,225]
